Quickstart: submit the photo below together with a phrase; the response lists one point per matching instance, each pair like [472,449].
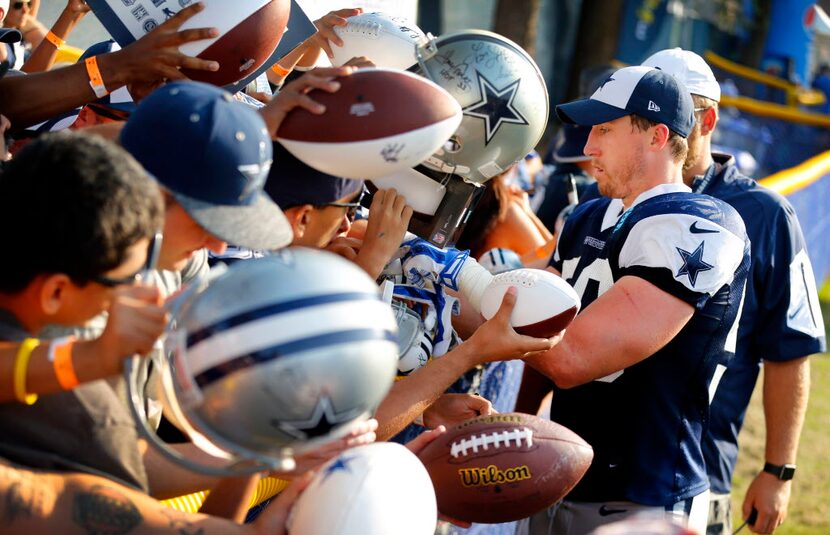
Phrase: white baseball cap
[689,68]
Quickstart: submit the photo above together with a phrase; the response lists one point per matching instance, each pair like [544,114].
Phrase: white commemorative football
[545,303]
[380,122]
[387,40]
[376,489]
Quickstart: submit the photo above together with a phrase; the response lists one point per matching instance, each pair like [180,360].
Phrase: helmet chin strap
[435,163]
[425,51]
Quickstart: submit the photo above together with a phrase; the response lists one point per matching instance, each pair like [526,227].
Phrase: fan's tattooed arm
[105,511]
[83,504]
[34,502]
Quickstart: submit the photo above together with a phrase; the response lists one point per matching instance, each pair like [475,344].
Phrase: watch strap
[783,472]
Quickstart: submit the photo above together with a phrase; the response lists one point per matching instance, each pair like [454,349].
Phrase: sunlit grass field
[809,511]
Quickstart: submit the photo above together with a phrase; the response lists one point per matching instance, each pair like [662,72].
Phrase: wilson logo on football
[362,109]
[492,475]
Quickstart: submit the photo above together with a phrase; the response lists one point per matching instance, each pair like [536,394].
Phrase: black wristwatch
[782,472]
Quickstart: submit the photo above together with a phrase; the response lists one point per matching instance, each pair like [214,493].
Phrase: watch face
[784,473]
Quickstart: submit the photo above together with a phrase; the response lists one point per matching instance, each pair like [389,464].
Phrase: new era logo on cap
[644,91]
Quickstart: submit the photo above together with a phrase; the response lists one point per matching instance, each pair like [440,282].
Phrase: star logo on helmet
[495,106]
[322,420]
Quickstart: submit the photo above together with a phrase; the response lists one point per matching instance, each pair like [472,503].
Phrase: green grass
[809,512]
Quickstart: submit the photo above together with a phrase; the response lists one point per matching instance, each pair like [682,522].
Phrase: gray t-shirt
[88,429]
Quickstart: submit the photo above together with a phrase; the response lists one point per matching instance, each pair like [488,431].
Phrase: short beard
[695,142]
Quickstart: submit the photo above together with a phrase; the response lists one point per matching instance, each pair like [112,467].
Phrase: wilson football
[504,467]
[379,122]
[387,40]
[545,303]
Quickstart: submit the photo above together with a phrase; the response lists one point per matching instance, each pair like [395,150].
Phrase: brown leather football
[380,122]
[504,467]
[244,48]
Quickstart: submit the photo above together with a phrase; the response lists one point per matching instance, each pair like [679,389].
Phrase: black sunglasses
[153,251]
[19,5]
[351,207]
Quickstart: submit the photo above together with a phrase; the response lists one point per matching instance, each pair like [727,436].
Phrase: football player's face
[616,152]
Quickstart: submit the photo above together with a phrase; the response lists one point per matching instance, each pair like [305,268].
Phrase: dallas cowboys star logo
[340,464]
[255,175]
[323,419]
[495,106]
[692,263]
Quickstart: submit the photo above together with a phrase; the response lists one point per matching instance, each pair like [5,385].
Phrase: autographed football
[249,32]
[387,40]
[545,303]
[377,489]
[504,467]
[379,122]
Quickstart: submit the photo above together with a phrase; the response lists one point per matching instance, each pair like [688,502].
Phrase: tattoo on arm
[105,511]
[19,496]
[15,504]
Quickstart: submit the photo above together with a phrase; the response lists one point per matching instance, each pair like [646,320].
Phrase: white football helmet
[278,355]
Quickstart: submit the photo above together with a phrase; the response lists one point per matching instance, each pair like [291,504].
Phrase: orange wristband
[96,81]
[54,39]
[279,70]
[60,355]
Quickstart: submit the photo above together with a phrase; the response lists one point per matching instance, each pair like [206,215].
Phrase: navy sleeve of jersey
[566,236]
[686,249]
[789,323]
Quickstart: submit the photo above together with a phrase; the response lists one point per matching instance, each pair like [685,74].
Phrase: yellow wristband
[21,366]
[54,39]
[96,81]
[280,70]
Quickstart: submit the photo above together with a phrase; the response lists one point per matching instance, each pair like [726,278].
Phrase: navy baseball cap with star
[644,91]
[212,154]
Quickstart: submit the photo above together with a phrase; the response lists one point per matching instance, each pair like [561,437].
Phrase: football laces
[494,440]
[524,277]
[367,27]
